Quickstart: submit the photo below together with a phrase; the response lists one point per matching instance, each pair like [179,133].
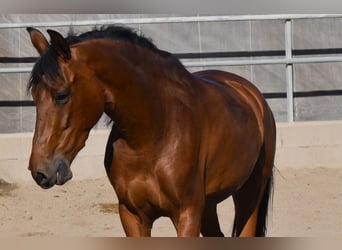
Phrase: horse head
[69,102]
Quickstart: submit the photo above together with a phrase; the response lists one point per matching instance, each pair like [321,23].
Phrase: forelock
[47,66]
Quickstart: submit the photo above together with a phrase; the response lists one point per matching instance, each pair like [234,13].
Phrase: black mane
[116,33]
[47,64]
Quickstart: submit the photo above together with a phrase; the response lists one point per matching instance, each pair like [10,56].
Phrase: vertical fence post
[289,70]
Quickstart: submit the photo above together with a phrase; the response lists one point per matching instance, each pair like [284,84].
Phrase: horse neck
[133,99]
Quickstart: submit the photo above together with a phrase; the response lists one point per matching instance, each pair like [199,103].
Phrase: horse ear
[59,43]
[38,40]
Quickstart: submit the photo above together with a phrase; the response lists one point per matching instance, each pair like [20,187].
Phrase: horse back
[239,89]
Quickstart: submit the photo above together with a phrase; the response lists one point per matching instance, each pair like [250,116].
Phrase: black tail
[261,226]
[263,208]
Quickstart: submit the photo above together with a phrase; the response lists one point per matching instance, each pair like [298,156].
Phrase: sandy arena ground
[307,202]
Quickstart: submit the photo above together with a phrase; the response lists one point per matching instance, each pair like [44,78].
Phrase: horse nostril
[40,177]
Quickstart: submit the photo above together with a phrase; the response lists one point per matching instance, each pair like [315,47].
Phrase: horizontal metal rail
[6,70]
[221,63]
[263,61]
[152,20]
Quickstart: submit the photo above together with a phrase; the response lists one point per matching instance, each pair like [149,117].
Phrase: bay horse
[180,142]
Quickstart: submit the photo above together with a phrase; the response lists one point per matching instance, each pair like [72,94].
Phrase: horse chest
[141,193]
[132,180]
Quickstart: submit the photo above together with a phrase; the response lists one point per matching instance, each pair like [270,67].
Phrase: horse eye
[62,98]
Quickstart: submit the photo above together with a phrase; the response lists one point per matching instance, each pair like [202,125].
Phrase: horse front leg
[188,222]
[134,225]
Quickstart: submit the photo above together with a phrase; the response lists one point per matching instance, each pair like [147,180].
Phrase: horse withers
[180,142]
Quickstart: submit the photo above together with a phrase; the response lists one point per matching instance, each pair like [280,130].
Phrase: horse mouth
[63,173]
[62,179]
[48,182]
[59,174]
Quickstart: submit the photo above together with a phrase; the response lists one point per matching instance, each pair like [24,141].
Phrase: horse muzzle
[57,174]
